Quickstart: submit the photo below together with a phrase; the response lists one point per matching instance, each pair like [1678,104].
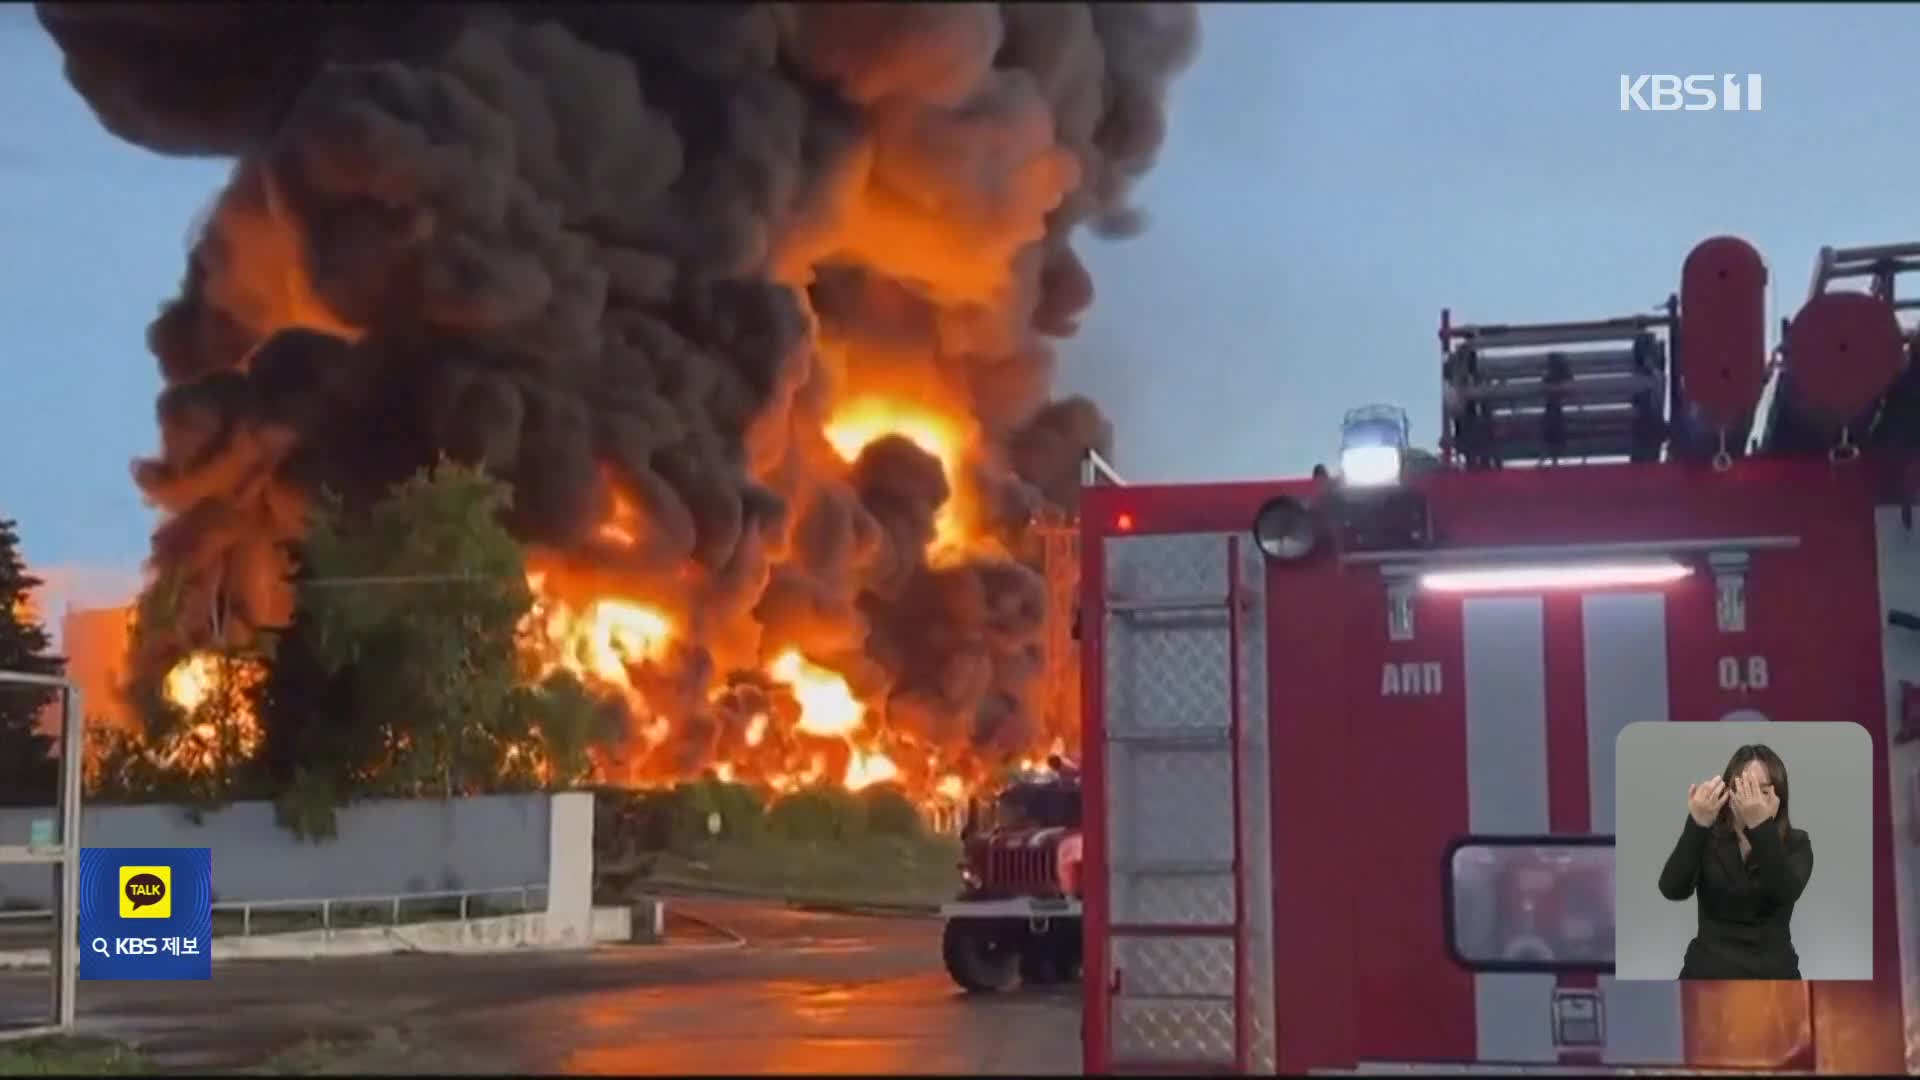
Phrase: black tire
[1052,957]
[1068,944]
[979,957]
[1040,963]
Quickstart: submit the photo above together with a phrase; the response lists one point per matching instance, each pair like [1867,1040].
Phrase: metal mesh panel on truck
[1899,574]
[1194,961]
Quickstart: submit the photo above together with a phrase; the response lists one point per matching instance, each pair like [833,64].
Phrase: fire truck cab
[1349,741]
[1017,918]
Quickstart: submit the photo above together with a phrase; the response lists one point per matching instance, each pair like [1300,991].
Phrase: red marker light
[1124,523]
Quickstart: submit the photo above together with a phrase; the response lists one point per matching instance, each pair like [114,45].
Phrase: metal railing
[390,906]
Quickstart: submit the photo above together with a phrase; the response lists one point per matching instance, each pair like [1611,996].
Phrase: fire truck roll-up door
[1188,922]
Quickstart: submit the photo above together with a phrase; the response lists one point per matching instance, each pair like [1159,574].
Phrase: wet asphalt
[788,992]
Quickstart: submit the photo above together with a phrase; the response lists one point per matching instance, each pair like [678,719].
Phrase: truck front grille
[1024,870]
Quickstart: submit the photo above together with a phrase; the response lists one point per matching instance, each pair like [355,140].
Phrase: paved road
[806,992]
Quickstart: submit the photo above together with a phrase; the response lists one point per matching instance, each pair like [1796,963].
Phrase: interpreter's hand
[1705,799]
[1750,804]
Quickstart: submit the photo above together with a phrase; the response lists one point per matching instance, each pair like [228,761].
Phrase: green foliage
[195,752]
[400,674]
[818,815]
[742,810]
[421,599]
[563,722]
[821,843]
[889,812]
[67,1055]
[306,807]
[27,770]
[679,819]
[630,822]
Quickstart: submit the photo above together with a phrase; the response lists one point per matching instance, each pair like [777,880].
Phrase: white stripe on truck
[1503,645]
[1625,649]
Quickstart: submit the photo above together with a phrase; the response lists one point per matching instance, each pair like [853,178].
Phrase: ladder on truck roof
[1538,393]
[1881,263]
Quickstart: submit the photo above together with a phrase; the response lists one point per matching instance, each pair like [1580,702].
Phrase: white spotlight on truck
[1373,443]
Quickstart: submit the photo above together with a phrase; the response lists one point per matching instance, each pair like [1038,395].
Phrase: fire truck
[1017,919]
[1348,739]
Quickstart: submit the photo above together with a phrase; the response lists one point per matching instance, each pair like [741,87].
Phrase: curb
[735,939]
[849,907]
[828,905]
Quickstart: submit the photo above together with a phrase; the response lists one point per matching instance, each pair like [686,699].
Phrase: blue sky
[1334,176]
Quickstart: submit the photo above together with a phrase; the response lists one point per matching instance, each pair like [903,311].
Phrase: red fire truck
[1017,918]
[1348,740]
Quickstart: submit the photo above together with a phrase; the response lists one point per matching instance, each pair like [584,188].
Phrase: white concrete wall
[382,847]
[570,870]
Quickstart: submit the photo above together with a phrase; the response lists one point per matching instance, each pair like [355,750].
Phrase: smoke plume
[632,258]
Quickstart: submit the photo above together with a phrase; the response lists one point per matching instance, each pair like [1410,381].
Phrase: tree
[400,673]
[192,699]
[28,773]
[565,722]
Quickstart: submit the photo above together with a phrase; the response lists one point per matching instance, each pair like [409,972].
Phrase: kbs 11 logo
[1689,93]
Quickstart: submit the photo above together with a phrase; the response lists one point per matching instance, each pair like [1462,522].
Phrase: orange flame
[192,681]
[609,638]
[214,736]
[827,704]
[867,419]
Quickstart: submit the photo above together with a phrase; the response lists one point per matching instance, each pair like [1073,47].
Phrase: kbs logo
[1689,93]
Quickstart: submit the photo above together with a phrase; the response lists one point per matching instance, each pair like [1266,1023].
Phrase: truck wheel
[1069,946]
[1052,957]
[980,958]
[1040,963]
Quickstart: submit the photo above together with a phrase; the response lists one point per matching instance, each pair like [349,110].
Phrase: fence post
[569,884]
[463,907]
[396,911]
[326,916]
[246,920]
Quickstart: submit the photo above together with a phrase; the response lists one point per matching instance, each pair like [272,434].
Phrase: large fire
[607,639]
[828,735]
[695,285]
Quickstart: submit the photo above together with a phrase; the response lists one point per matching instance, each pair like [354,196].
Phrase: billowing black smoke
[631,258]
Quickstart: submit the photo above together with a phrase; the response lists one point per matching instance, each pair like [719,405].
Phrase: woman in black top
[1741,855]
